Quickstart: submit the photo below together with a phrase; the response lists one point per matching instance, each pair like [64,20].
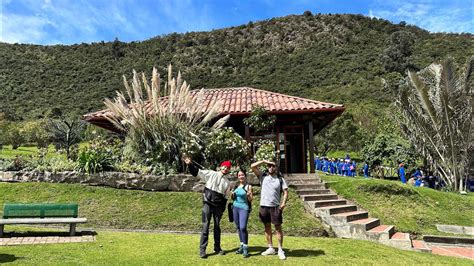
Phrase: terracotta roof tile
[240,101]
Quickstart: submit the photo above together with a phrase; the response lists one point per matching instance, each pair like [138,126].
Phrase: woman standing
[242,196]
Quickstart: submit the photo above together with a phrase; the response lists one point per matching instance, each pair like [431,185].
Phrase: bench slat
[43,220]
[39,210]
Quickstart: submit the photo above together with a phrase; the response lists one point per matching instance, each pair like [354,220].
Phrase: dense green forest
[335,58]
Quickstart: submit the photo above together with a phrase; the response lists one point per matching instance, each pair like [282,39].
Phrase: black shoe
[202,254]
[220,252]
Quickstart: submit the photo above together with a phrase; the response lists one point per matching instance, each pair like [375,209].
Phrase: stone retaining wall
[178,182]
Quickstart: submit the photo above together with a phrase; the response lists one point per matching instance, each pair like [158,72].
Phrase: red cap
[227,164]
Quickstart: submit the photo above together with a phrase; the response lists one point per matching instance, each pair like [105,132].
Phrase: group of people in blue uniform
[419,179]
[342,167]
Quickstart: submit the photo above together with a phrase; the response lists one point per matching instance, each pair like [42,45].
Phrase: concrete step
[449,240]
[420,245]
[319,197]
[304,182]
[313,191]
[365,224]
[330,210]
[331,202]
[351,216]
[381,232]
[302,178]
[400,240]
[309,186]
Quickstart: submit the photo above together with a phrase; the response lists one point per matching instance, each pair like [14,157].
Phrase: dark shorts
[271,215]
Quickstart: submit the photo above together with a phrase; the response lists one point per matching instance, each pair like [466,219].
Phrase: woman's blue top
[240,200]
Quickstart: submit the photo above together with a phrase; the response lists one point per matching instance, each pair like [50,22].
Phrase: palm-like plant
[436,116]
[162,124]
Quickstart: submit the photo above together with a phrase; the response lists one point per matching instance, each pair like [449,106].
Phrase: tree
[436,107]
[259,120]
[65,133]
[396,58]
[117,49]
[343,134]
[388,148]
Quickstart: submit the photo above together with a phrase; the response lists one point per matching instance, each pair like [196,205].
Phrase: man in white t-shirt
[271,205]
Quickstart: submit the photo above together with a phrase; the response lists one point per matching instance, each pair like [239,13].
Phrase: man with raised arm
[271,204]
[214,202]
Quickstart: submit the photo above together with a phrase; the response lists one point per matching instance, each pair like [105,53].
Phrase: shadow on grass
[4,258]
[256,251]
[46,233]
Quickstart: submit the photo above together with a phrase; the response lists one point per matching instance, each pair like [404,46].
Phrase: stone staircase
[346,219]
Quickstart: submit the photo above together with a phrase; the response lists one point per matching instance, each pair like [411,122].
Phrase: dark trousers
[215,212]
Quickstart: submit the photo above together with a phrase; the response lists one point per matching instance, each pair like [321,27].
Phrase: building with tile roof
[297,120]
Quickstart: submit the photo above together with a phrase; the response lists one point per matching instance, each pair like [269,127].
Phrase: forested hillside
[337,58]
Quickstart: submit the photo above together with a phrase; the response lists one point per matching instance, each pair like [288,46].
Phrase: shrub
[266,150]
[98,157]
[16,164]
[226,144]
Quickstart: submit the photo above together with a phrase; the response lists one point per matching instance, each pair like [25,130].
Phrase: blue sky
[77,21]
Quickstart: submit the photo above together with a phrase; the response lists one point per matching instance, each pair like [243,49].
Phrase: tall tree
[397,56]
[436,107]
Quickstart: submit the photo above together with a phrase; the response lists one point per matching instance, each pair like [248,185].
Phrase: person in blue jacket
[324,165]
[339,166]
[401,173]
[347,170]
[366,169]
[333,166]
[353,168]
[317,163]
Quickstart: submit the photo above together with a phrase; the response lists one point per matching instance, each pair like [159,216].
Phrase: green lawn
[411,209]
[180,249]
[134,209]
[27,151]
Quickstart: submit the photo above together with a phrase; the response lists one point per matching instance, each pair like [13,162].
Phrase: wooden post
[311,146]
[247,133]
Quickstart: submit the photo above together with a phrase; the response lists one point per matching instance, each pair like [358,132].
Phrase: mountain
[336,58]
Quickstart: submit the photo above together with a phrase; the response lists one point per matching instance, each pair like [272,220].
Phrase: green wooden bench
[41,213]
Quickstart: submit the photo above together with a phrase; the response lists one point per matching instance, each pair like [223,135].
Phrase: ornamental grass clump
[162,124]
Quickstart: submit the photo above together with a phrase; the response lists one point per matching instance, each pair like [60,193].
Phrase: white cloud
[75,21]
[434,16]
[22,29]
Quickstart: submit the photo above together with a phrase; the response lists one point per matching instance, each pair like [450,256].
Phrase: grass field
[133,209]
[179,249]
[27,151]
[411,209]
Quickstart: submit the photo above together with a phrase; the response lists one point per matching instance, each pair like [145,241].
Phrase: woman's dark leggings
[241,218]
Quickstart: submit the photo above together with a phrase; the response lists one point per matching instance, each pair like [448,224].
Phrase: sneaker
[281,254]
[269,251]
[220,252]
[245,251]
[202,254]
[240,250]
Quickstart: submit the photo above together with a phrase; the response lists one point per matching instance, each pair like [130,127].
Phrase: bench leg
[1,229]
[72,229]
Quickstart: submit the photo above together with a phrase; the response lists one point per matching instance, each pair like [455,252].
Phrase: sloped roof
[235,101]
